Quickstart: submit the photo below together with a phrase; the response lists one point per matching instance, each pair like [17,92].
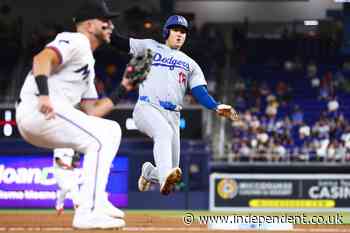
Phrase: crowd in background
[282,120]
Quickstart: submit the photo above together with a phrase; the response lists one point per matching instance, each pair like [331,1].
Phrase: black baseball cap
[93,9]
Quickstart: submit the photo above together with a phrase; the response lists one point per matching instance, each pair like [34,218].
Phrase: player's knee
[114,131]
[92,145]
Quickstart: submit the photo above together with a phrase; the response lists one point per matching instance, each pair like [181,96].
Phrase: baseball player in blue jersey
[157,112]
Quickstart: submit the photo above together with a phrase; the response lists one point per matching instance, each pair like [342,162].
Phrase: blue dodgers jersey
[172,72]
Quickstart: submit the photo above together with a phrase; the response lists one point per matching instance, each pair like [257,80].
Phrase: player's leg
[98,138]
[149,174]
[176,152]
[176,147]
[61,196]
[62,181]
[96,168]
[73,186]
[75,195]
[152,122]
[175,176]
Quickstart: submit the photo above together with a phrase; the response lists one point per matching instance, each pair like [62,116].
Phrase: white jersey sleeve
[64,46]
[137,46]
[196,78]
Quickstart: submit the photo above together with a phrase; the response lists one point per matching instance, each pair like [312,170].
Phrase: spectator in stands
[311,69]
[282,92]
[262,144]
[245,151]
[331,150]
[336,151]
[326,86]
[297,116]
[312,76]
[240,101]
[340,151]
[321,131]
[333,107]
[264,89]
[279,152]
[345,137]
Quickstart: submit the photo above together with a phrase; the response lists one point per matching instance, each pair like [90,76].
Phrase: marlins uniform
[97,138]
[67,177]
[160,99]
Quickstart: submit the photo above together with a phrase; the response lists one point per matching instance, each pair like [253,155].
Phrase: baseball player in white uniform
[157,112]
[66,176]
[62,77]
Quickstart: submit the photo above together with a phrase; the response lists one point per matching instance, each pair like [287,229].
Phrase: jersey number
[84,71]
[182,78]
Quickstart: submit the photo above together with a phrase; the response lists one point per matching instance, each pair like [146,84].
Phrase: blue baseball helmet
[172,21]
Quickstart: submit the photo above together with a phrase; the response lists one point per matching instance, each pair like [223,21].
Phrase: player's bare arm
[135,73]
[102,107]
[44,64]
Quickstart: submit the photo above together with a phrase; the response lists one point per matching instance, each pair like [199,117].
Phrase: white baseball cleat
[95,220]
[105,207]
[173,177]
[143,183]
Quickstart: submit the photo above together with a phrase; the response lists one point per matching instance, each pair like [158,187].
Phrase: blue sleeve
[202,96]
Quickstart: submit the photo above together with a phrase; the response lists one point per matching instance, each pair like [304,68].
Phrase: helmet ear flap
[165,33]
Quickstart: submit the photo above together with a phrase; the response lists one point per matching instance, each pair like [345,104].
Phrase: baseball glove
[138,67]
[227,111]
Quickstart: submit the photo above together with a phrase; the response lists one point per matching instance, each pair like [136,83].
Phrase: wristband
[41,82]
[117,94]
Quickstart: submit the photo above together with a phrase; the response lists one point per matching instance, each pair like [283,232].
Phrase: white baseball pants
[163,127]
[97,138]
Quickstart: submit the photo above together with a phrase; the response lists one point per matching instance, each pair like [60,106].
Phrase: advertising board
[28,182]
[279,191]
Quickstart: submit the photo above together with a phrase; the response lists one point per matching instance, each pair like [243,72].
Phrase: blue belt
[164,104]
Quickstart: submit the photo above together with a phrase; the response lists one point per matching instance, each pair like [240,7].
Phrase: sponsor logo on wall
[28,182]
[291,191]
